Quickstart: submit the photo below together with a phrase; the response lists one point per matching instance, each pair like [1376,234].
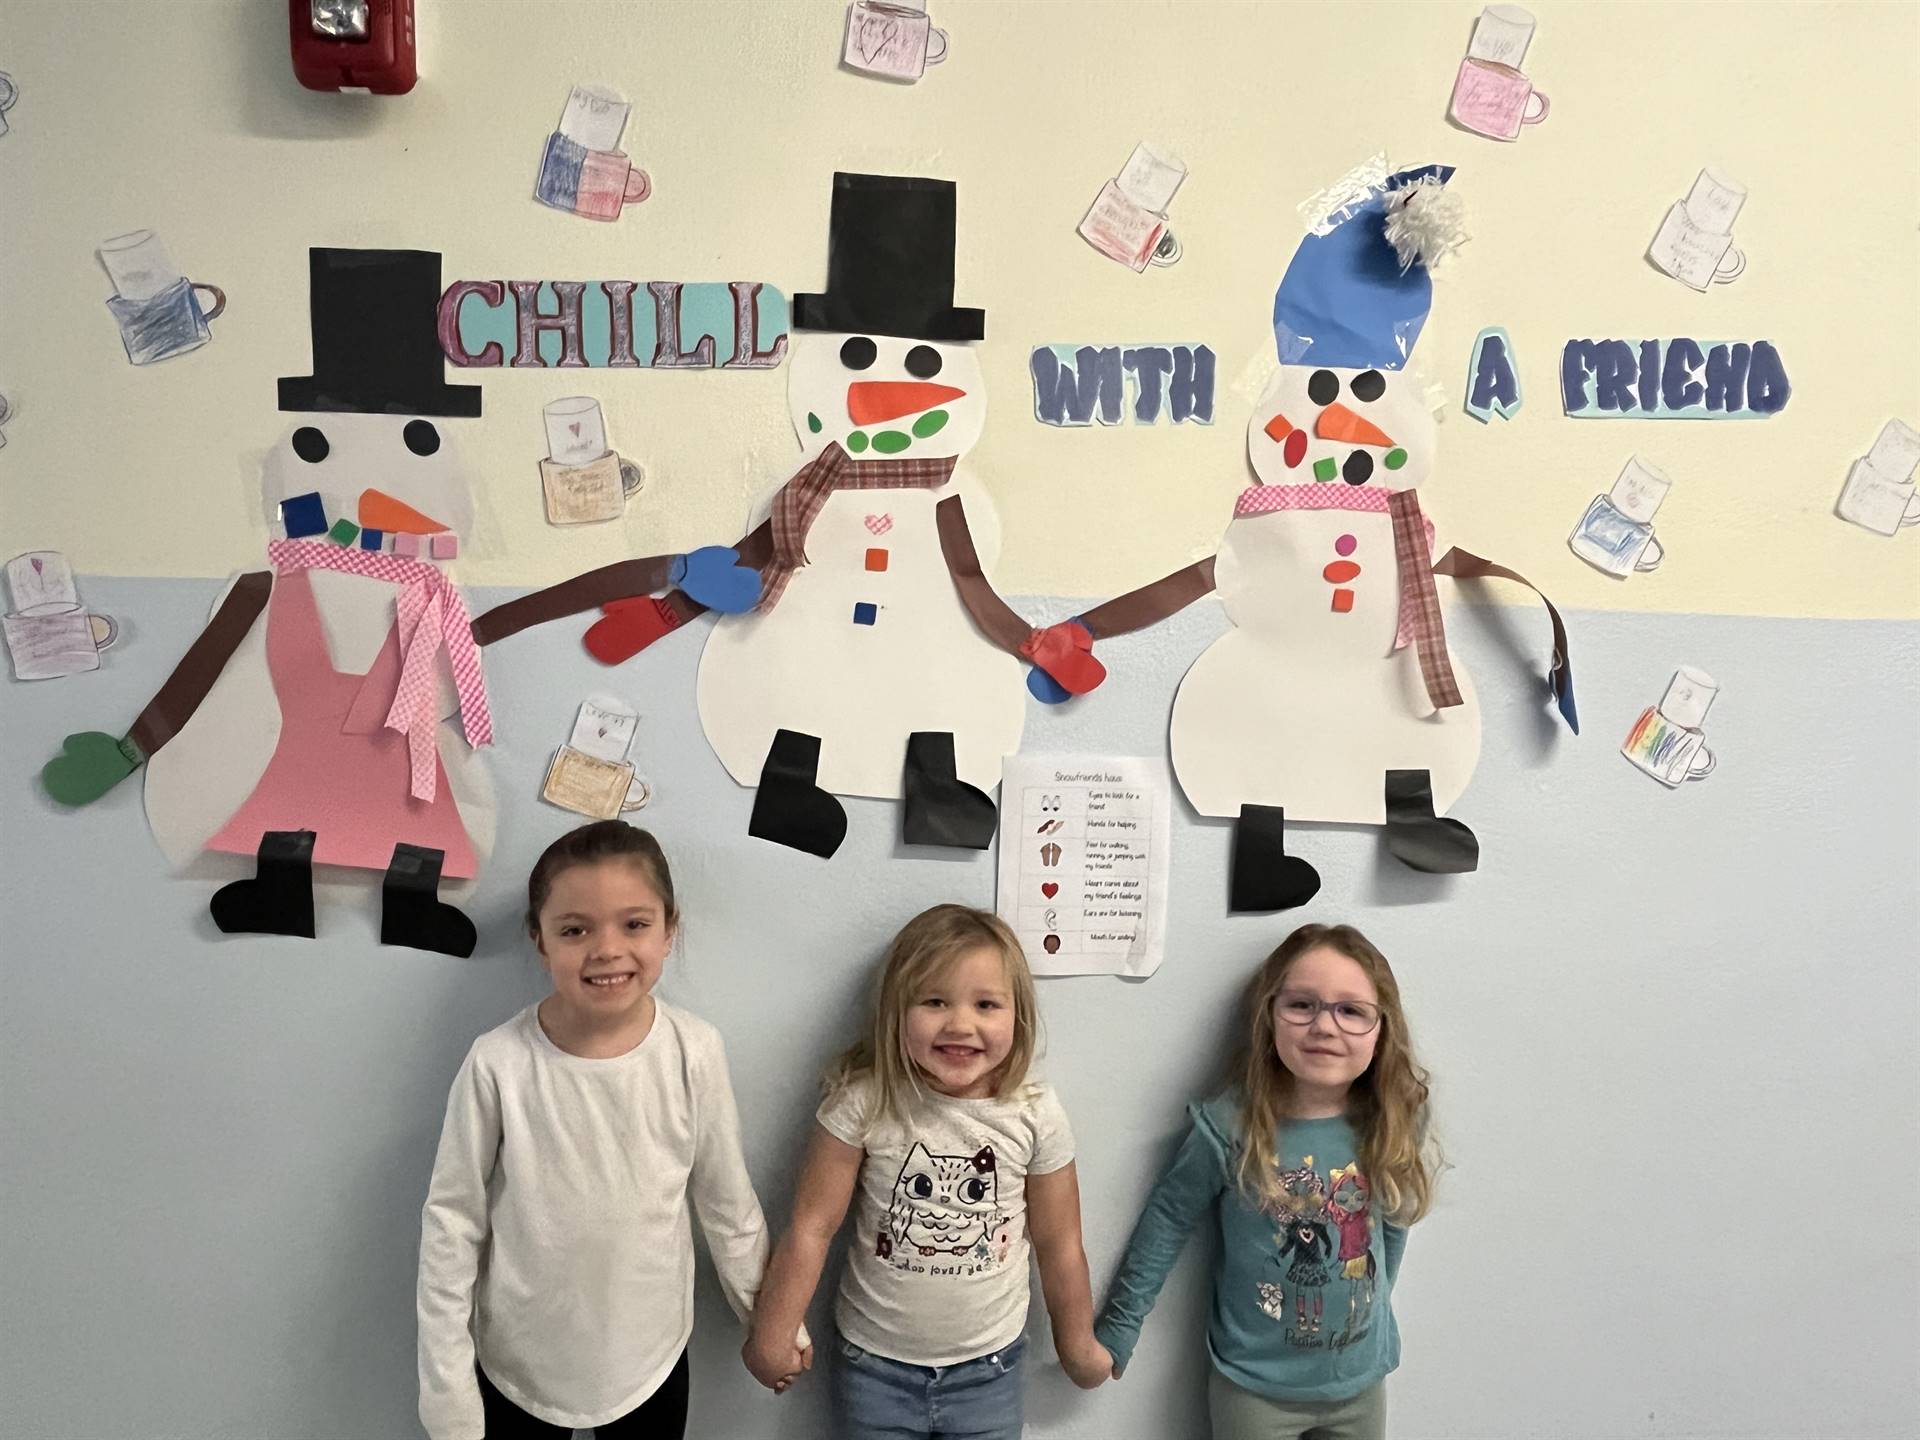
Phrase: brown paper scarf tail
[172,706]
[1465,565]
[997,620]
[1152,602]
[1412,555]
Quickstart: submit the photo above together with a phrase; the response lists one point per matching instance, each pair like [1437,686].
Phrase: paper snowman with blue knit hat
[1335,697]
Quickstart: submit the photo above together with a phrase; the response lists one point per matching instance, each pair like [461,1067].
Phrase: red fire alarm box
[363,45]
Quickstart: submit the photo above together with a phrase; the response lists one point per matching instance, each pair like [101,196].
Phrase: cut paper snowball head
[392,473]
[884,396]
[1318,424]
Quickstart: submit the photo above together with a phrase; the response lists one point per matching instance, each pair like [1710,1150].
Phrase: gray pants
[1242,1415]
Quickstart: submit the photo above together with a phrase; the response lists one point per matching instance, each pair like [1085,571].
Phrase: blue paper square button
[865,612]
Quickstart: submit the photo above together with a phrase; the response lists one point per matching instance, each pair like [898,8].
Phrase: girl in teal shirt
[1312,1164]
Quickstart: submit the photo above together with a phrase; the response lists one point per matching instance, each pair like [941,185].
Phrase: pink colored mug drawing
[608,180]
[1495,100]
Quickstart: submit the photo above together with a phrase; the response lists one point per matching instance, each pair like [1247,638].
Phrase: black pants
[661,1416]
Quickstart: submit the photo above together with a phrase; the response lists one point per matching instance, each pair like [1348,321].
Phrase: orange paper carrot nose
[380,511]
[871,401]
[1337,422]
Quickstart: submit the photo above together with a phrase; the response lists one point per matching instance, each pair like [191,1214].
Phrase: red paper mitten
[1065,651]
[628,627]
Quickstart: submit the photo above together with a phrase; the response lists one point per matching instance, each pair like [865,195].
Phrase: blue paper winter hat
[1346,300]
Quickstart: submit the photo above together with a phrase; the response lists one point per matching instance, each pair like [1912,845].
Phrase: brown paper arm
[174,703]
[1465,565]
[996,619]
[622,580]
[1151,603]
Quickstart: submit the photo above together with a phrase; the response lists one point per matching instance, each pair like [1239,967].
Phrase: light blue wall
[1673,1035]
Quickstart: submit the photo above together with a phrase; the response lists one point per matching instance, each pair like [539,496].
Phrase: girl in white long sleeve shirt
[556,1251]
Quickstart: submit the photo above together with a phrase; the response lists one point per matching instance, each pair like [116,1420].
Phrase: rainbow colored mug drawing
[1666,741]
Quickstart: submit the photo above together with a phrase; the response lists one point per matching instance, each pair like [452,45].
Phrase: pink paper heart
[879,524]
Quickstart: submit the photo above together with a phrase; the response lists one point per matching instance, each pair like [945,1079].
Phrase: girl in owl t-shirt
[958,1156]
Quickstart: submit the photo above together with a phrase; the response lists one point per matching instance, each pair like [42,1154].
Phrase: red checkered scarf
[800,499]
[1420,623]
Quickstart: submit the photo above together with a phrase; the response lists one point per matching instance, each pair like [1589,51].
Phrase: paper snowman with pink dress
[331,711]
[1334,696]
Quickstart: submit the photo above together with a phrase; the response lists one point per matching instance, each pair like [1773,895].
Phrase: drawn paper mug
[1666,741]
[49,633]
[157,309]
[1495,100]
[1872,501]
[1616,533]
[592,183]
[893,40]
[1692,255]
[1125,231]
[583,480]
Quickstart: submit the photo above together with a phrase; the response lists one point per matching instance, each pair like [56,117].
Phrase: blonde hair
[1387,1105]
[931,942]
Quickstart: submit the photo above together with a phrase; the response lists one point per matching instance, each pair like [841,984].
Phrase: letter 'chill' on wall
[572,324]
[1678,379]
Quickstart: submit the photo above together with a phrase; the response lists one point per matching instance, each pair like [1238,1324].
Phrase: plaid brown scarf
[800,499]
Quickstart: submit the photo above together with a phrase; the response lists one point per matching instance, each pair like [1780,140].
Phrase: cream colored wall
[186,118]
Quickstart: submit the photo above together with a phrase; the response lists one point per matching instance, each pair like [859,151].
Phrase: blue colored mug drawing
[158,311]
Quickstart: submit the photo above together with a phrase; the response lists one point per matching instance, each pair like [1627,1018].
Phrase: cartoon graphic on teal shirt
[1350,1209]
[1305,1244]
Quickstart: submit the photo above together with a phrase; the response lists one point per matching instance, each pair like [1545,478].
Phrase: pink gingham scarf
[430,613]
[801,498]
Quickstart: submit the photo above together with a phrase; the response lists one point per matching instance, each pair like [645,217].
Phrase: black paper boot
[941,808]
[789,808]
[411,911]
[279,898]
[1265,877]
[1420,839]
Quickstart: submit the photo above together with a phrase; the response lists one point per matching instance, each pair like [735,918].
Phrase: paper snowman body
[870,641]
[1306,704]
[365,468]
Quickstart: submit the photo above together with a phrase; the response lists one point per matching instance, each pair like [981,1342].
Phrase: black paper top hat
[376,342]
[890,262]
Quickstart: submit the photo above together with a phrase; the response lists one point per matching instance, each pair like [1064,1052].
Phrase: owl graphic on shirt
[944,1204]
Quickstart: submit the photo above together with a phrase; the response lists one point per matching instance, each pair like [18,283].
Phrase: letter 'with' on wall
[1677,379]
[536,324]
[1074,385]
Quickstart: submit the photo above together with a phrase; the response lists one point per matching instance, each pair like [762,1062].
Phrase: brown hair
[1387,1105]
[928,944]
[591,844]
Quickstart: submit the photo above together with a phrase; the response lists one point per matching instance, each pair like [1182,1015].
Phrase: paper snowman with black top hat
[331,710]
[869,654]
[1334,696]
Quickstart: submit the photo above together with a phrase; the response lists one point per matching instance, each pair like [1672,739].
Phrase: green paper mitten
[91,764]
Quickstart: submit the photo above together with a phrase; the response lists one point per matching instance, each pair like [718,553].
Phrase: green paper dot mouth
[857,441]
[931,423]
[891,442]
[1395,459]
[1324,468]
[813,422]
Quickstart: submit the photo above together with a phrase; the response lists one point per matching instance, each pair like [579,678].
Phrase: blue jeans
[881,1399]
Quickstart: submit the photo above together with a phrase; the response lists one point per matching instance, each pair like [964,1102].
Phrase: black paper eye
[1323,388]
[923,361]
[422,439]
[858,352]
[1368,385]
[1358,469]
[310,445]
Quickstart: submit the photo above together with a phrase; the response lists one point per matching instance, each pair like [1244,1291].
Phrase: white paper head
[1373,425]
[345,456]
[884,397]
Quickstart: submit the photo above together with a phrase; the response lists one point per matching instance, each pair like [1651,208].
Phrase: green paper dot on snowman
[1324,468]
[891,442]
[1395,459]
[931,423]
[857,441]
[813,422]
